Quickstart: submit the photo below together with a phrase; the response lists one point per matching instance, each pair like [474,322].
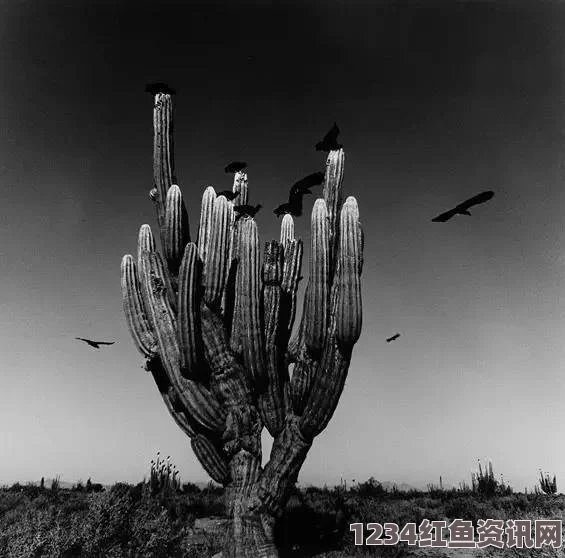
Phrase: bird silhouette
[304,184]
[297,192]
[463,208]
[228,194]
[95,344]
[159,87]
[329,143]
[235,166]
[294,204]
[246,210]
[393,338]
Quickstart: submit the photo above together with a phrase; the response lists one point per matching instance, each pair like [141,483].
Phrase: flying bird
[159,87]
[294,204]
[463,208]
[297,192]
[248,210]
[304,185]
[393,338]
[329,143]
[228,194]
[95,344]
[235,166]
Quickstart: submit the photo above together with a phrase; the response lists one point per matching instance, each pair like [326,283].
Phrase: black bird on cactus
[235,166]
[393,338]
[246,210]
[159,87]
[329,143]
[228,194]
[95,344]
[463,208]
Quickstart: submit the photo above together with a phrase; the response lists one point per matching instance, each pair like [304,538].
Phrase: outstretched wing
[446,216]
[476,200]
[104,342]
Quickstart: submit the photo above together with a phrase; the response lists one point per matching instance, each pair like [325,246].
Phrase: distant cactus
[548,485]
[214,322]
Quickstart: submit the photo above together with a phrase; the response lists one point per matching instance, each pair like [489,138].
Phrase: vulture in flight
[95,344]
[393,338]
[463,208]
[329,143]
[297,192]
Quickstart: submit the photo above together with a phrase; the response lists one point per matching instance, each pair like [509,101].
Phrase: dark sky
[436,102]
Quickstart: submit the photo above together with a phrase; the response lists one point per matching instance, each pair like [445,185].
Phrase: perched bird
[463,208]
[95,344]
[393,338]
[294,204]
[235,166]
[329,143]
[159,87]
[228,194]
[304,185]
[247,210]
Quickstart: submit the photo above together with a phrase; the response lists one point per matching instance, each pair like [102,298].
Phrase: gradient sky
[436,102]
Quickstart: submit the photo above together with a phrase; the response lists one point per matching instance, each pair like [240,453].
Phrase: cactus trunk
[214,319]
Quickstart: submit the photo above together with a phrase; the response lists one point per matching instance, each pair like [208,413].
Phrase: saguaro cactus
[214,322]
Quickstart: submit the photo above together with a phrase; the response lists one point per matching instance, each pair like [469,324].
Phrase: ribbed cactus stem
[145,242]
[287,229]
[248,284]
[210,458]
[271,401]
[216,264]
[163,150]
[176,227]
[240,185]
[333,196]
[318,292]
[137,320]
[206,218]
[188,312]
[291,277]
[200,404]
[349,311]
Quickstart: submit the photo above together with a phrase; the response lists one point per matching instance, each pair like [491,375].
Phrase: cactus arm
[349,307]
[163,154]
[317,307]
[206,218]
[344,330]
[289,287]
[271,403]
[207,450]
[199,402]
[332,193]
[211,458]
[240,185]
[177,229]
[216,263]
[189,313]
[248,303]
[137,320]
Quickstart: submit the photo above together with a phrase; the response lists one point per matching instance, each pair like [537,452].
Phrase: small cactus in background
[214,320]
[548,485]
[163,476]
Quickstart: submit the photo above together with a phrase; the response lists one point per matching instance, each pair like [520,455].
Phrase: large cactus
[214,324]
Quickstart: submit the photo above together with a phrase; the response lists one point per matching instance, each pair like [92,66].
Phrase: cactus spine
[214,321]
